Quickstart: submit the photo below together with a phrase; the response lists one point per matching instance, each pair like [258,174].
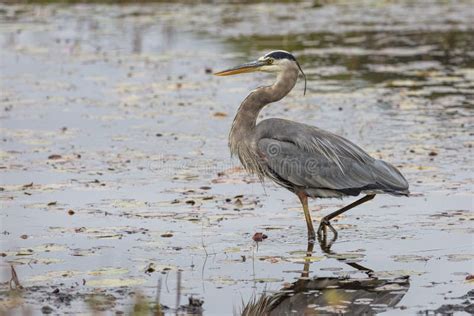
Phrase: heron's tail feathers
[389,179]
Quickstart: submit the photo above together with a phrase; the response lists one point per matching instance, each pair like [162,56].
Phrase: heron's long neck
[246,118]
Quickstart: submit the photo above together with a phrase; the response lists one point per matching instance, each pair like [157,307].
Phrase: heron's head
[276,61]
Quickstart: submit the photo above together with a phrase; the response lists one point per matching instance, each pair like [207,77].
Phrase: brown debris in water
[258,237]
[29,185]
[220,114]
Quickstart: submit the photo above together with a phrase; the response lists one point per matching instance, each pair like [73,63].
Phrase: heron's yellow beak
[248,67]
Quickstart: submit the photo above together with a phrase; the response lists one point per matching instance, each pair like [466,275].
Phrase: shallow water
[116,177]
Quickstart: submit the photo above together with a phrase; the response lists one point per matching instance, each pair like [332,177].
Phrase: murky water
[117,185]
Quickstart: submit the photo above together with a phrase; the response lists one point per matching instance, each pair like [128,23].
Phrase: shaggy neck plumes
[246,119]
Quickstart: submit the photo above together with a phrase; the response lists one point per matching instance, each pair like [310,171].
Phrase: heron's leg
[323,242]
[325,220]
[309,223]
[326,248]
[307,260]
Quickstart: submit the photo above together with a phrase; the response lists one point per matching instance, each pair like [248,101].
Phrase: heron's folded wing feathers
[310,157]
[312,170]
[312,140]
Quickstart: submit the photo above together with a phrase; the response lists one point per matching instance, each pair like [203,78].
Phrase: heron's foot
[322,230]
[325,244]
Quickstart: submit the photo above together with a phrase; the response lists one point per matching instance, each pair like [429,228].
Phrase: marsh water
[118,190]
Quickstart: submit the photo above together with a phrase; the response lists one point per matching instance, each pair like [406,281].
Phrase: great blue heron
[303,159]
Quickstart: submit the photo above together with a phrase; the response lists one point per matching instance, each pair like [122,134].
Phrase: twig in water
[14,279]
[253,267]
[202,274]
[166,282]
[202,238]
[178,290]
[207,255]
[158,291]
[158,305]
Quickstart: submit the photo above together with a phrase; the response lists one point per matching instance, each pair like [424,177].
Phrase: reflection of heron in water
[331,295]
[303,159]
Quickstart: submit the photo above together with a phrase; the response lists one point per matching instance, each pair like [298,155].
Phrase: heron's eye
[270,61]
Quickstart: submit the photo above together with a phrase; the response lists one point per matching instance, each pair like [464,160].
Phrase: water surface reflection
[332,295]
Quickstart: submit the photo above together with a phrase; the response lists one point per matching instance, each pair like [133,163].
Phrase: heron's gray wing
[305,169]
[308,157]
[312,140]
